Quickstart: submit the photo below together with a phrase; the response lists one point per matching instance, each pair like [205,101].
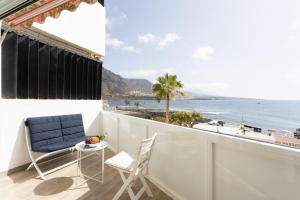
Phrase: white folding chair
[125,164]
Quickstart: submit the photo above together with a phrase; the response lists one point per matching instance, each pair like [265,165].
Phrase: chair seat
[121,161]
[58,146]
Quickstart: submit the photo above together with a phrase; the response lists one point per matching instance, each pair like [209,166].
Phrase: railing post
[147,131]
[147,136]
[209,172]
[118,135]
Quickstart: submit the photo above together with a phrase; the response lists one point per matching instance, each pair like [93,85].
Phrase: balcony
[186,164]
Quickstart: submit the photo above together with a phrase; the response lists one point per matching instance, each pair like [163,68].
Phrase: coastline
[234,129]
[279,115]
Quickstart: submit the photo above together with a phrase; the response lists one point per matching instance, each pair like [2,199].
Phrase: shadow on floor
[53,186]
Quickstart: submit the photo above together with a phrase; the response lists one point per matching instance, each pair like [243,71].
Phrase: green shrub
[185,118]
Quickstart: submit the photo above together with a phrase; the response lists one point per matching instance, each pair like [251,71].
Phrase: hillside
[115,86]
[141,84]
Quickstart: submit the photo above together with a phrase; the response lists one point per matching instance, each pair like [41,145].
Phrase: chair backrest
[144,153]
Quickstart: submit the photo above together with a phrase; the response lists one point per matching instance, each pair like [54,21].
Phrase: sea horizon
[265,114]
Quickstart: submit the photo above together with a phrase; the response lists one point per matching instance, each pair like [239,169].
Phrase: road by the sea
[266,114]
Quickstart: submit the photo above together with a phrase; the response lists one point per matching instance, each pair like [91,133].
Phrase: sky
[237,48]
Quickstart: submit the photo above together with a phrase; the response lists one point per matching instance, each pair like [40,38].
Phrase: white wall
[197,165]
[13,151]
[84,27]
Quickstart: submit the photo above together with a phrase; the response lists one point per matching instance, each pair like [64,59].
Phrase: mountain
[141,84]
[115,86]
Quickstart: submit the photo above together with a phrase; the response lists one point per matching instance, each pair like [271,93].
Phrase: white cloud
[292,76]
[141,73]
[108,23]
[147,73]
[147,38]
[294,26]
[169,38]
[119,44]
[159,41]
[114,42]
[204,53]
[213,88]
[131,49]
[112,21]
[123,16]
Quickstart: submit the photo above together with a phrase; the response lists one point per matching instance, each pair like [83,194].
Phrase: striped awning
[40,10]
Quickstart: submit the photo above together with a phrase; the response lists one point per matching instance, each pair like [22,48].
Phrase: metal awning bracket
[3,35]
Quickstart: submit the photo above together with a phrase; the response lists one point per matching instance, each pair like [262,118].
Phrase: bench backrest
[54,129]
[72,126]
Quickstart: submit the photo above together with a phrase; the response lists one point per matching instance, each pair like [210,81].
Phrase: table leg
[80,156]
[102,165]
[77,163]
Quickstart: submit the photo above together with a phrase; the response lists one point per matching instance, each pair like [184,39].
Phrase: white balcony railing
[192,164]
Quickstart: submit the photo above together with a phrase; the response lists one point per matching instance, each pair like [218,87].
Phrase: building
[288,141]
[297,133]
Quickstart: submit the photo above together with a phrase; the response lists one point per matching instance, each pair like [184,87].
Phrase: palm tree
[167,87]
[127,102]
[137,104]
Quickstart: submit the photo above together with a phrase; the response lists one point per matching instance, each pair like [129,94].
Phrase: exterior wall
[194,164]
[13,149]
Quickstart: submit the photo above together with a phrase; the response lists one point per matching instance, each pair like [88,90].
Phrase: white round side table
[81,148]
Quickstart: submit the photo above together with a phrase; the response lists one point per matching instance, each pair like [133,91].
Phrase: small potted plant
[102,136]
[95,140]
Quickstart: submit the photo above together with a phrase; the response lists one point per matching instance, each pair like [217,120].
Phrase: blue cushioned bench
[52,135]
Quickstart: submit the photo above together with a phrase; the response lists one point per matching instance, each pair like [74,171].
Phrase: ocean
[265,114]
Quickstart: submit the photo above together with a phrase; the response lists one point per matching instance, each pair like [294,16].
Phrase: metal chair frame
[136,171]
[34,160]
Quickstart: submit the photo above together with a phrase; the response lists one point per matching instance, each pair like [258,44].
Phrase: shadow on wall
[94,128]
[20,151]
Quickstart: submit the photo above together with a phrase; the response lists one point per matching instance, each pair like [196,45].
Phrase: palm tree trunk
[167,108]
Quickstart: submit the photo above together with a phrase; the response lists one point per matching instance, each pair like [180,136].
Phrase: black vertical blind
[34,70]
[94,80]
[99,81]
[67,86]
[84,78]
[60,74]
[53,72]
[33,77]
[79,70]
[73,76]
[22,69]
[89,79]
[44,62]
[9,66]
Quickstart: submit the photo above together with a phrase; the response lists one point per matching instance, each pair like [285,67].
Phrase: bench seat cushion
[60,145]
